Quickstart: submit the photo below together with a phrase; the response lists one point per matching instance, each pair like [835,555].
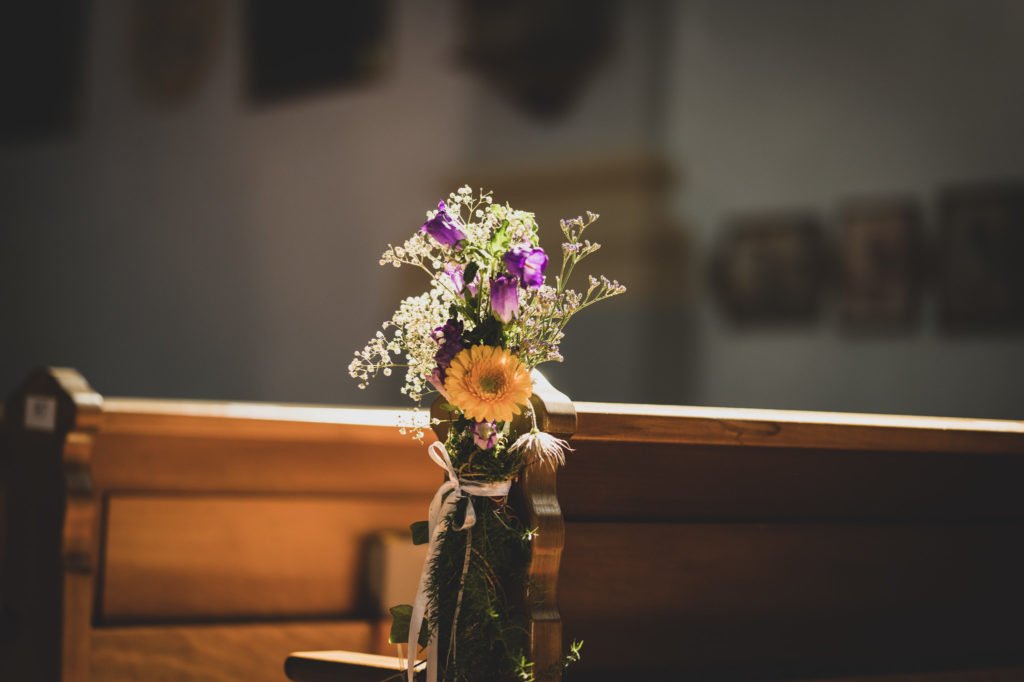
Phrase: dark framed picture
[41,69]
[980,276]
[539,54]
[175,44]
[880,247]
[303,47]
[770,268]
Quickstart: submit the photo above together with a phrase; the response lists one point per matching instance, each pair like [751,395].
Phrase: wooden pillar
[50,554]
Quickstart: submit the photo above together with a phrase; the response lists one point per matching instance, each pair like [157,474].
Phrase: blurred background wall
[199,224]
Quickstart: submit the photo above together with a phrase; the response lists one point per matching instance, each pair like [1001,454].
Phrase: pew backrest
[208,538]
[702,543]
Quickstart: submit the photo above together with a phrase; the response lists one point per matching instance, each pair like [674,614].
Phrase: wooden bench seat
[183,540]
[346,666]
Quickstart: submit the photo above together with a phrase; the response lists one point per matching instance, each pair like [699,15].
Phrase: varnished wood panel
[214,653]
[772,601]
[193,557]
[255,421]
[133,462]
[344,666]
[347,666]
[786,428]
[668,481]
[981,675]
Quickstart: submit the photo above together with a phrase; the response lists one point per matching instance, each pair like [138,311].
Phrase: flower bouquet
[490,316]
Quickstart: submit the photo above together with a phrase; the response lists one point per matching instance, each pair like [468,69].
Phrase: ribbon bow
[441,507]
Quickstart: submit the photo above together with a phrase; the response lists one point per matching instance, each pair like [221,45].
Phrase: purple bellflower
[528,264]
[505,297]
[485,435]
[444,227]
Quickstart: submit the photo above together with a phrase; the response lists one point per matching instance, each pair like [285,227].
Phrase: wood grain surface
[209,557]
[647,482]
[765,601]
[794,429]
[255,421]
[978,675]
[347,666]
[726,544]
[222,465]
[215,653]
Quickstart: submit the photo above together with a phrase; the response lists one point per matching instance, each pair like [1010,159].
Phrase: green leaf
[500,240]
[400,617]
[420,532]
[424,639]
[470,273]
[488,332]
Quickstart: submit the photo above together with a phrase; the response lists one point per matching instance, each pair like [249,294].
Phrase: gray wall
[796,103]
[221,251]
[216,250]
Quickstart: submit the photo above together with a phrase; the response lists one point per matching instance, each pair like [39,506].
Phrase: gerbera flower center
[492,382]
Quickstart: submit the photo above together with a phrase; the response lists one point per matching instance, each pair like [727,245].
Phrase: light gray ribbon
[441,507]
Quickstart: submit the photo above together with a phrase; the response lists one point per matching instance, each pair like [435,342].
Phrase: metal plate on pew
[346,666]
[40,413]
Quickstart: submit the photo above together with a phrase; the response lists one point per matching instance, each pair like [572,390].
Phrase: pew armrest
[345,666]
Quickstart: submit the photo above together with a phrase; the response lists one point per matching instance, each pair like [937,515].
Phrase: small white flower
[542,446]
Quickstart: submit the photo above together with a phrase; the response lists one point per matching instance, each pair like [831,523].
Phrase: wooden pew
[755,544]
[175,540]
[723,544]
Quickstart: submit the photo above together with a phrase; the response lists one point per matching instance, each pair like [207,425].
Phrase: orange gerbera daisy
[488,383]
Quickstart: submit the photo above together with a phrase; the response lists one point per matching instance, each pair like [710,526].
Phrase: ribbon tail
[432,659]
[440,508]
[470,520]
[415,624]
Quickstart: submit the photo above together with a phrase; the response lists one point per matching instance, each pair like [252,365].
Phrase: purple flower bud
[455,274]
[444,227]
[528,264]
[436,379]
[485,435]
[505,297]
[449,341]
